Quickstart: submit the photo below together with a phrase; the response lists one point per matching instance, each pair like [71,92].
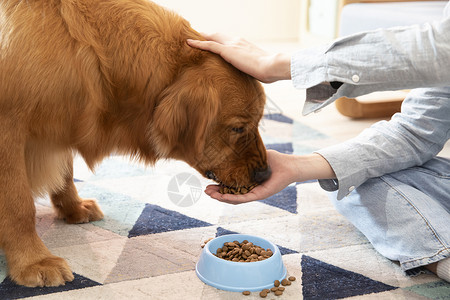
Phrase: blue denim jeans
[406,214]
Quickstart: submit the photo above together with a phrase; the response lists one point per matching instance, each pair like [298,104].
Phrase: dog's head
[155,97]
[209,118]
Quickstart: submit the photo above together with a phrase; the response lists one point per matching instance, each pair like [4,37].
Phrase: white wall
[255,20]
[323,17]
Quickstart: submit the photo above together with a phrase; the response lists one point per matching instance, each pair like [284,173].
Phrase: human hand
[284,172]
[286,169]
[247,57]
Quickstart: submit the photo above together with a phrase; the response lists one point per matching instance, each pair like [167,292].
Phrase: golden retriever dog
[96,77]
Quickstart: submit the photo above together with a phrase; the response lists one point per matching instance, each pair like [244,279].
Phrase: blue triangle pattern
[302,132]
[222,231]
[284,250]
[286,199]
[285,148]
[121,210]
[324,281]
[432,290]
[279,118]
[10,290]
[155,219]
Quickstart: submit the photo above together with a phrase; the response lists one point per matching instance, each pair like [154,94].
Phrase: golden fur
[97,77]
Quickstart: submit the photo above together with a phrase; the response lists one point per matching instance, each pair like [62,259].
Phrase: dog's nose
[210,175]
[261,175]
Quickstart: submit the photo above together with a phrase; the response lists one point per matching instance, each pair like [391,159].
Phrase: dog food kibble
[235,190]
[278,289]
[246,293]
[242,252]
[206,242]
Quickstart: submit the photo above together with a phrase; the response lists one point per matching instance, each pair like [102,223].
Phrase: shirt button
[350,189]
[355,78]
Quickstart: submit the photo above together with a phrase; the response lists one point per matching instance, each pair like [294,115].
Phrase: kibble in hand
[236,190]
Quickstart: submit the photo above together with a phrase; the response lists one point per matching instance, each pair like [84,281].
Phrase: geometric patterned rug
[156,218]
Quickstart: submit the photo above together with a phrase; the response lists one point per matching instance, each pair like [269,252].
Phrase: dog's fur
[100,76]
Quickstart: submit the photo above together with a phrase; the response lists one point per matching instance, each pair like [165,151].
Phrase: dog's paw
[51,271]
[88,210]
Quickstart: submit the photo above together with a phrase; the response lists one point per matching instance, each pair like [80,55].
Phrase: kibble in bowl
[244,251]
[239,276]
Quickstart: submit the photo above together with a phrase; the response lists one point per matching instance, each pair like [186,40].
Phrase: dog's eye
[238,129]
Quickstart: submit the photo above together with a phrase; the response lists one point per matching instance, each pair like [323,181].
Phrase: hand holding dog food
[286,169]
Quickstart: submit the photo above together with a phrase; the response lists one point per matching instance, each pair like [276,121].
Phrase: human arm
[247,57]
[385,59]
[388,59]
[286,169]
[409,139]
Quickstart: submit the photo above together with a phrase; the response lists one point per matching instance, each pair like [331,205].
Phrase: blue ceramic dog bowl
[240,276]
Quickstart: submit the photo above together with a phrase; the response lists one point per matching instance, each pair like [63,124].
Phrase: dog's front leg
[30,263]
[69,206]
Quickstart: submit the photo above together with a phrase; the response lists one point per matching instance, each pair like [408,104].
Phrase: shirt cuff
[329,185]
[348,175]
[309,67]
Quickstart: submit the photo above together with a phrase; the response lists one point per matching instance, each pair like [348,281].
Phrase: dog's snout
[261,175]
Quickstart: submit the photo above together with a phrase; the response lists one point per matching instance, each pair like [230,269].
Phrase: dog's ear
[186,110]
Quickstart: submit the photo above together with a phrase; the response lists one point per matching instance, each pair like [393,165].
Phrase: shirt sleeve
[410,138]
[386,59]
[411,57]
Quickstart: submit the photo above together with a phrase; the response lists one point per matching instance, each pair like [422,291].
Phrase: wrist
[279,67]
[312,167]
